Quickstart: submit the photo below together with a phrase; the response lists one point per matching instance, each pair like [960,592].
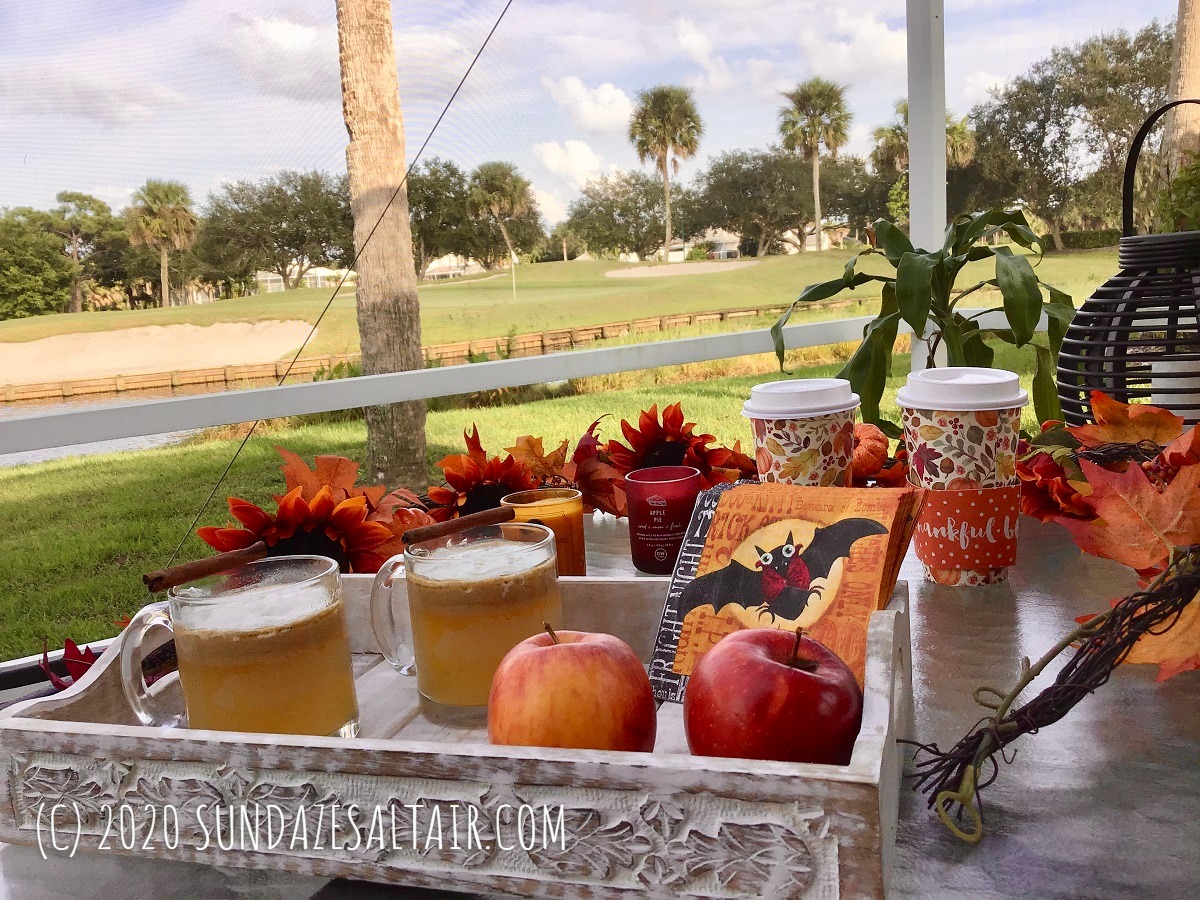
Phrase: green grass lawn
[549,296]
[80,532]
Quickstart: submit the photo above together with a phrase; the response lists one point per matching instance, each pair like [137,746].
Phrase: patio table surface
[1105,803]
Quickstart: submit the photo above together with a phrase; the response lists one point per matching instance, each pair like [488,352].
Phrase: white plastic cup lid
[799,398]
[962,389]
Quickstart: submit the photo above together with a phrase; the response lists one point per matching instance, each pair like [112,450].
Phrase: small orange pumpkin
[870,452]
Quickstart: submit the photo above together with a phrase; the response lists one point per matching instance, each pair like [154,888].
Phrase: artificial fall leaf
[77,662]
[1175,650]
[1126,423]
[603,487]
[1135,524]
[1183,451]
[397,501]
[529,450]
[336,472]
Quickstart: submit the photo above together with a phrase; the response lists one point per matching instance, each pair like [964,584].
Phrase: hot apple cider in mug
[470,604]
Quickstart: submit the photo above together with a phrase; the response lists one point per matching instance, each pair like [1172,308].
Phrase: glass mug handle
[393,637]
[141,701]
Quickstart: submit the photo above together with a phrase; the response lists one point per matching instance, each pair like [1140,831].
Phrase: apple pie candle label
[961,428]
[803,431]
[660,502]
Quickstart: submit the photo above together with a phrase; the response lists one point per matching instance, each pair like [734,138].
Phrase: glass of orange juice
[472,596]
[560,510]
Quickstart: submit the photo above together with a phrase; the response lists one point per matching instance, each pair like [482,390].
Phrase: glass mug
[262,648]
[472,597]
[560,510]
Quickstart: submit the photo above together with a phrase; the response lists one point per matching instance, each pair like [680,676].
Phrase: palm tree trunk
[667,216]
[76,280]
[816,160]
[512,254]
[564,243]
[389,320]
[1181,137]
[164,276]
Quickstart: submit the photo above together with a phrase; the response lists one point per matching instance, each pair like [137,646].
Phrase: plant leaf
[1022,296]
[1118,422]
[1045,389]
[914,289]
[815,293]
[892,241]
[528,450]
[869,367]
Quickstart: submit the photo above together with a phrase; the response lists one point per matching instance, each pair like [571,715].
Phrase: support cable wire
[357,253]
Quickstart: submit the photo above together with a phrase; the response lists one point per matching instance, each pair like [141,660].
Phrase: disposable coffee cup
[803,430]
[961,428]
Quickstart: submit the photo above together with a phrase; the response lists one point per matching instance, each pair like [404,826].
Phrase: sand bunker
[710,267]
[155,348]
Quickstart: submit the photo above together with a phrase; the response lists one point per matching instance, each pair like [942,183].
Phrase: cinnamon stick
[165,579]
[450,526]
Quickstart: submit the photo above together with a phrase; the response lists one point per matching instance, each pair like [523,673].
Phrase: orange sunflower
[474,482]
[674,442]
[324,514]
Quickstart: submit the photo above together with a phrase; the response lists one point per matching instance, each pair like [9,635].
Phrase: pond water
[145,442]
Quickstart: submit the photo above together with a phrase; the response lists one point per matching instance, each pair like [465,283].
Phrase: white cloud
[975,87]
[107,98]
[698,48]
[764,78]
[573,160]
[602,108]
[281,57]
[551,204]
[855,47]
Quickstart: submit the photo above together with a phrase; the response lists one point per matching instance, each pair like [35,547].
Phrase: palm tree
[389,313]
[815,116]
[891,141]
[497,190]
[666,128]
[161,218]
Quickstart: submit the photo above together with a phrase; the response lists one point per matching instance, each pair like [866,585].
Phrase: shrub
[1086,240]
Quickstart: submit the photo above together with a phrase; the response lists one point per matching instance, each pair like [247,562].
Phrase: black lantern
[1138,336]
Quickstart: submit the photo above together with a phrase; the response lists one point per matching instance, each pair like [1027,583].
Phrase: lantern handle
[1135,150]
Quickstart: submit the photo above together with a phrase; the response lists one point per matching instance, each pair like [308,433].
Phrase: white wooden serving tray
[635,824]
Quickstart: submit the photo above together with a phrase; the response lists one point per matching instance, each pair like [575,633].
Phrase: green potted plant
[922,292]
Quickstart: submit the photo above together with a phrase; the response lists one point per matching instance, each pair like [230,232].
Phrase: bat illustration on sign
[784,578]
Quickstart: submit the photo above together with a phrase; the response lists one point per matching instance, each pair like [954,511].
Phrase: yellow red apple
[572,689]
[765,693]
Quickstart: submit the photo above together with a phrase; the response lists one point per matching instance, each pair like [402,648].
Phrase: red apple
[572,689]
[764,693]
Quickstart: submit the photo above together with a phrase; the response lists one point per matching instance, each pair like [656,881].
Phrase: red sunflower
[674,442]
[474,482]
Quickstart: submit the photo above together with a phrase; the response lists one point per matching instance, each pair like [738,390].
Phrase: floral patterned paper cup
[961,428]
[803,430]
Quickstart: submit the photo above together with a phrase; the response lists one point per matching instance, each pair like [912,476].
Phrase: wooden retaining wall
[531,344]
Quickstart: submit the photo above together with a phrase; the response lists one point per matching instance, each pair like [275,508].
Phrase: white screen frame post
[926,134]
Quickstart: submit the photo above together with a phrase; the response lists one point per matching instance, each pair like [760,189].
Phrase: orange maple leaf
[335,472]
[1176,650]
[1184,450]
[1173,651]
[529,450]
[1136,525]
[1126,423]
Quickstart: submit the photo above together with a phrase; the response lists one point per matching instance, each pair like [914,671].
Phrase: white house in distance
[452,266]
[316,277]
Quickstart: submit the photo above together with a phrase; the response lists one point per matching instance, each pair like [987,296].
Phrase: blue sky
[98,96]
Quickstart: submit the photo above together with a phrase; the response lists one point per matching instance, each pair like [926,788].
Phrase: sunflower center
[664,453]
[311,543]
[484,496]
